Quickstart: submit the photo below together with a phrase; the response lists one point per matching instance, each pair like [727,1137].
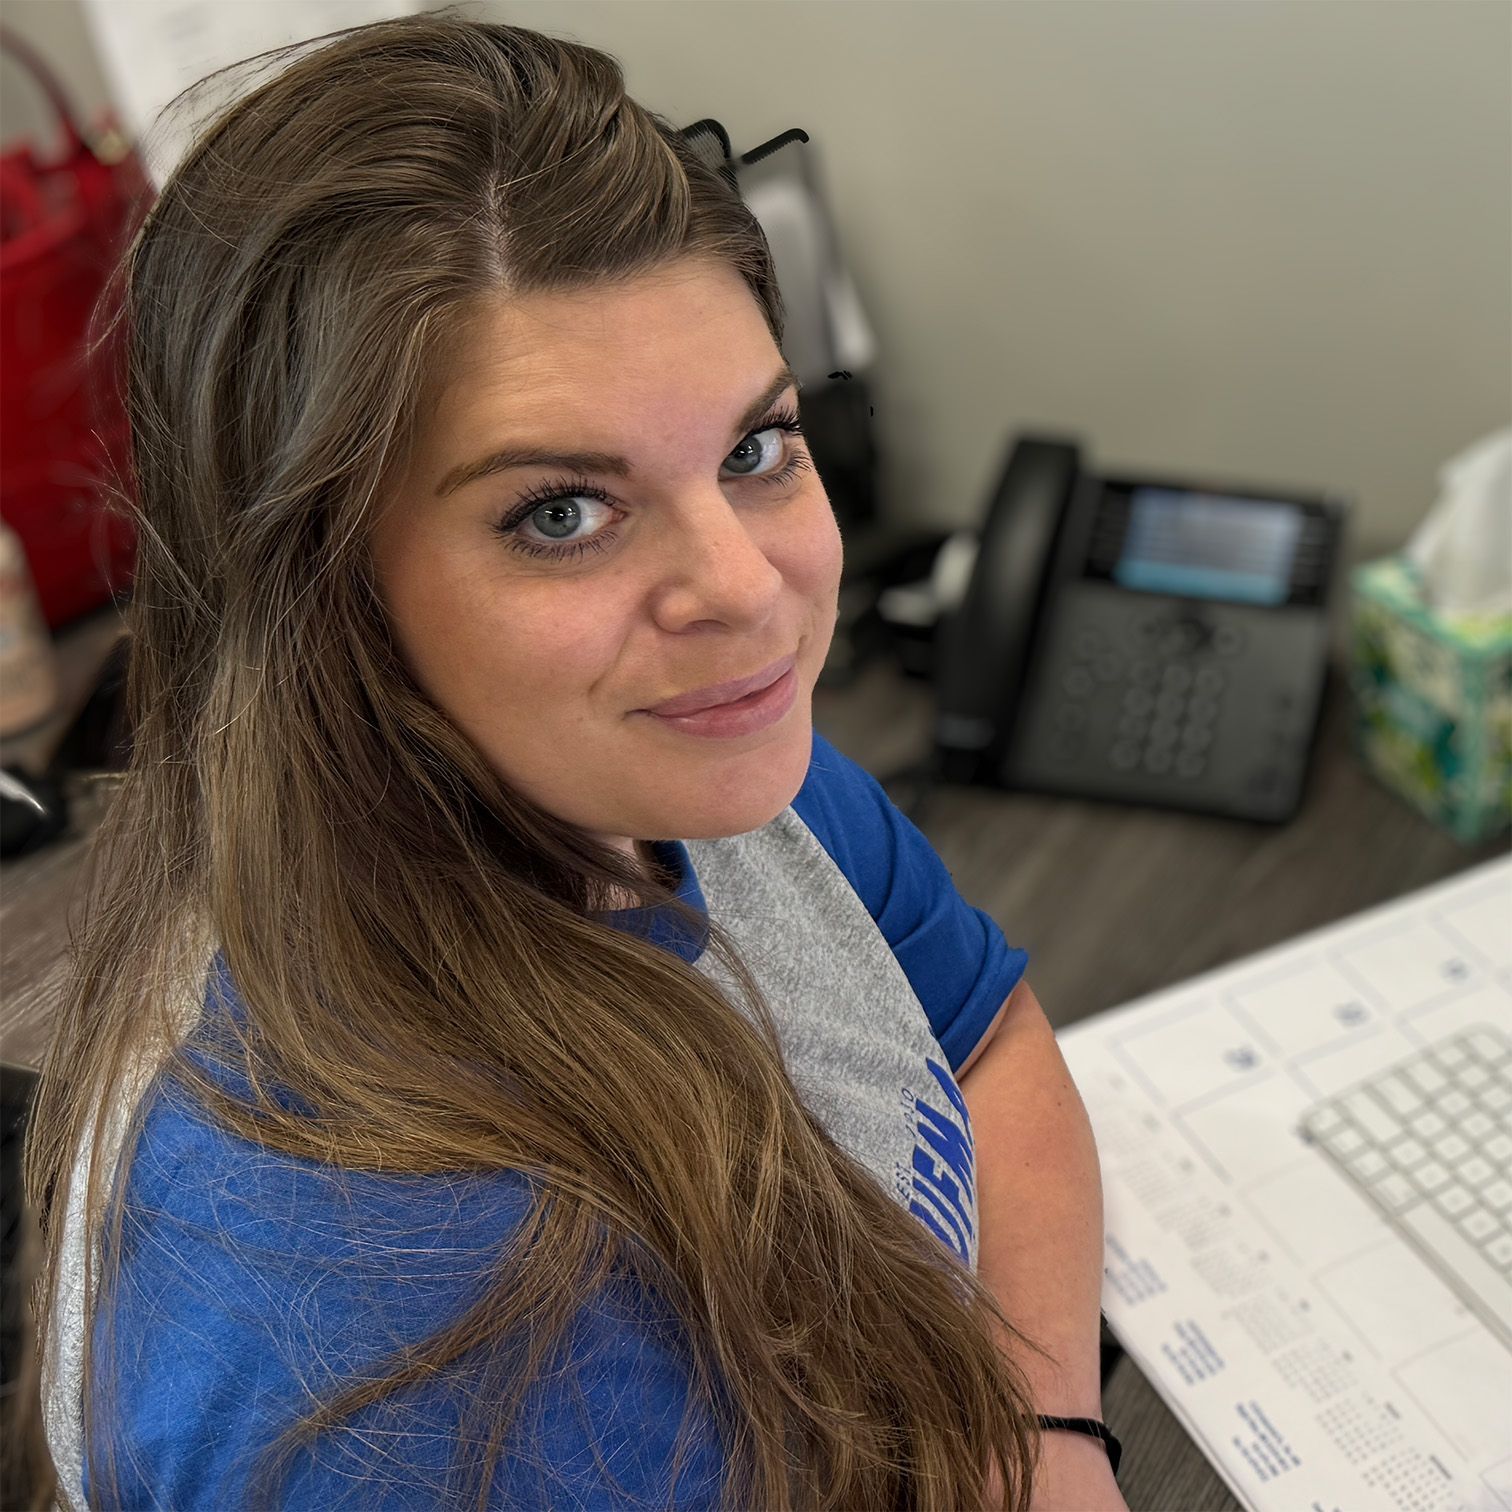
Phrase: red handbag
[63,427]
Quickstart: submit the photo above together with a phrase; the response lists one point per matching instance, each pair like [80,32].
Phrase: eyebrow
[507,457]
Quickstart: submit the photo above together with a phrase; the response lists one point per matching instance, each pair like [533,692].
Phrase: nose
[713,564]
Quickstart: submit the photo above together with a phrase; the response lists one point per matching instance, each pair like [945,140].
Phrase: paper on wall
[152,49]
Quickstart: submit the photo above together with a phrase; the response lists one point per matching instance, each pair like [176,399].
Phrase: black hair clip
[712,143]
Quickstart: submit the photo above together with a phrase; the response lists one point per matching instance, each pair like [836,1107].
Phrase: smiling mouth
[698,702]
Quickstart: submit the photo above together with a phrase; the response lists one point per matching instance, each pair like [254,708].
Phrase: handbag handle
[99,169]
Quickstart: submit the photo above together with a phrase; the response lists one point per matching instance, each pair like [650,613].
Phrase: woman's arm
[1040,1240]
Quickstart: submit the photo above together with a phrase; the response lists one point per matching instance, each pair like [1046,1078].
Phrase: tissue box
[1433,700]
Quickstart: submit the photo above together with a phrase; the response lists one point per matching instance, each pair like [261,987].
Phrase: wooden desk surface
[1111,903]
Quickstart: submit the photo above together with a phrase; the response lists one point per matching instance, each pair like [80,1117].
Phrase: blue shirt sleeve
[955,956]
[252,1282]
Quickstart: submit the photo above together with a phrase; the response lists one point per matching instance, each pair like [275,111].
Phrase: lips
[723,693]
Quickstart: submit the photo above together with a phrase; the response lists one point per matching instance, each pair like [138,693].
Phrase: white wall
[1259,240]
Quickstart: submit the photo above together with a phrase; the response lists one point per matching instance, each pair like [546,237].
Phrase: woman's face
[694,570]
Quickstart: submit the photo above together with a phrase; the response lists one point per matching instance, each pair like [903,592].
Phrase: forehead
[675,326]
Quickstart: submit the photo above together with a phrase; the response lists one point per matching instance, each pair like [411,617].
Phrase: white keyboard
[1429,1142]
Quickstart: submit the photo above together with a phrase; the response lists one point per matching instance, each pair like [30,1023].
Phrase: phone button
[1124,755]
[1227,641]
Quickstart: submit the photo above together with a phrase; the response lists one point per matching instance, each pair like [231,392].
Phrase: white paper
[1315,1358]
[151,49]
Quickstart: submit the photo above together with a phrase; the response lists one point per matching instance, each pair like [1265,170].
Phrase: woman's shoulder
[194,1183]
[254,1282]
[954,954]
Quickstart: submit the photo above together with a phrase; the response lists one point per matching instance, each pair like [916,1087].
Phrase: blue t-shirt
[253,1282]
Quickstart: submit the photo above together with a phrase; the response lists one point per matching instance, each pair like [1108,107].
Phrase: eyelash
[565,488]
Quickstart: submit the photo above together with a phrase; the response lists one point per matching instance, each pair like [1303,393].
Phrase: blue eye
[562,496]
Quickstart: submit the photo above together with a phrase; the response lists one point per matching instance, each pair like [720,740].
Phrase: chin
[783,767]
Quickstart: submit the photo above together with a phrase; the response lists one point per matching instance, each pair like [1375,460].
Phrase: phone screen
[1211,546]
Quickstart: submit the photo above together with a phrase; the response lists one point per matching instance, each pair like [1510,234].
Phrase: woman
[479,1145]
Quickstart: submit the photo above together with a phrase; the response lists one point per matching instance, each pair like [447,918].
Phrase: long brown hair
[414,942]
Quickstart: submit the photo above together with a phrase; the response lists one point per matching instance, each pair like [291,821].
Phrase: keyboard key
[1495,1098]
[1394,1192]
[1479,1224]
[1346,1139]
[1428,1125]
[1476,1126]
[1498,1196]
[1327,1117]
[1499,1149]
[1453,1103]
[1371,1116]
[1500,1251]
[1476,1172]
[1488,1047]
[1453,1200]
[1489,1291]
[1370,1163]
[1451,1148]
[1427,1076]
[1473,1076]
[1429,1176]
[1399,1094]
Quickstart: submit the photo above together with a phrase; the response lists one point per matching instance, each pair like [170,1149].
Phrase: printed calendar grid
[1215,1069]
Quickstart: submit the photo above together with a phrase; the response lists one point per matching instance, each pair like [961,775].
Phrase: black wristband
[1093,1429]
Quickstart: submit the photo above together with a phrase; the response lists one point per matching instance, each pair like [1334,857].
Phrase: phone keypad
[1167,711]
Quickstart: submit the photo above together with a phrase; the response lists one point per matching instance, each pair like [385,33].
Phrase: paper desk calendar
[1318,1361]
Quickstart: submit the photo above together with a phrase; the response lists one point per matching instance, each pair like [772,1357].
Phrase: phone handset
[983,647]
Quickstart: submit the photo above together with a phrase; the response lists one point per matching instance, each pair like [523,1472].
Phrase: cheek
[818,553]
